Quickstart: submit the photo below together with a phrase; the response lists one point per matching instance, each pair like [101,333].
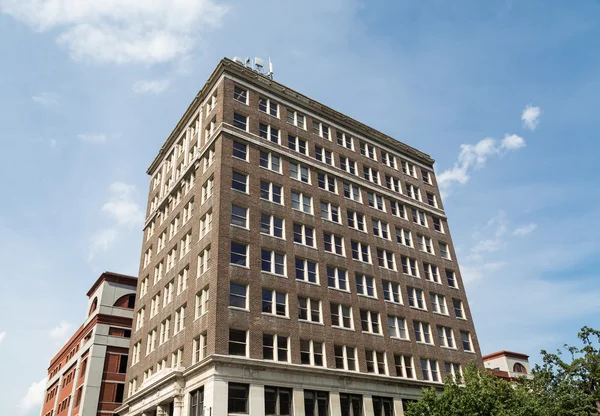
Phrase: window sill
[343,328]
[236,308]
[240,227]
[310,322]
[304,245]
[367,296]
[273,236]
[339,290]
[335,254]
[240,266]
[283,276]
[308,283]
[274,315]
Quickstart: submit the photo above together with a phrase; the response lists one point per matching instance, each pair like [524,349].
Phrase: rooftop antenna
[248,63]
[259,65]
[270,73]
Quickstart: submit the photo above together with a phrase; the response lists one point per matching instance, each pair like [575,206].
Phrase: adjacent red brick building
[87,376]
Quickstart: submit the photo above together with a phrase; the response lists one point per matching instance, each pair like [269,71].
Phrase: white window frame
[202,299]
[339,309]
[386,259]
[394,289]
[273,161]
[300,173]
[271,225]
[416,298]
[272,263]
[301,203]
[312,354]
[423,332]
[306,234]
[335,274]
[271,193]
[329,211]
[360,249]
[305,270]
[446,337]
[376,201]
[364,284]
[398,328]
[345,140]
[327,182]
[381,228]
[373,323]
[352,192]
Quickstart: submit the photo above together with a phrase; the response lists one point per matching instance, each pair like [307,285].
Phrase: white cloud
[152,86]
[116,31]
[475,157]
[524,230]
[92,137]
[102,240]
[34,396]
[46,99]
[2,336]
[473,273]
[60,332]
[121,206]
[531,117]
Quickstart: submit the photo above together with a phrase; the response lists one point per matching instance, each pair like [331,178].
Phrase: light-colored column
[298,402]
[215,397]
[335,409]
[257,399]
[398,408]
[178,406]
[186,146]
[368,405]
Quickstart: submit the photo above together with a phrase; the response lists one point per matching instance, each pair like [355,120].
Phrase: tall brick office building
[295,261]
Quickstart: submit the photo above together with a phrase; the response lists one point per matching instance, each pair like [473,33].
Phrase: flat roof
[115,278]
[505,353]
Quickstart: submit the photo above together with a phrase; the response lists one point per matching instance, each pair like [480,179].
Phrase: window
[239,254]
[371,175]
[416,299]
[380,229]
[151,341]
[296,119]
[202,302]
[330,212]
[240,150]
[321,130]
[376,362]
[316,403]
[388,159]
[351,404]
[267,106]
[386,259]
[168,293]
[430,370]
[403,237]
[197,401]
[333,244]
[409,266]
[341,316]
[137,347]
[398,210]
[184,245]
[445,337]
[408,169]
[360,252]
[444,252]
[270,161]
[438,304]
[238,295]
[237,342]
[207,190]
[205,224]
[365,285]
[327,182]
[422,332]
[275,348]
[426,176]
[299,172]
[391,292]
[268,132]
[309,309]
[352,192]
[345,358]
[393,184]
[274,303]
[437,224]
[240,94]
[158,270]
[404,366]
[237,398]
[200,348]
[162,241]
[154,304]
[139,323]
[419,217]
[271,192]
[297,145]
[187,211]
[304,234]
[517,368]
[459,310]
[466,341]
[453,370]
[413,192]
[337,278]
[397,327]
[203,261]
[173,227]
[302,202]
[271,225]
[182,280]
[239,216]
[239,182]
[144,287]
[451,279]
[356,220]
[179,320]
[369,322]
[278,401]
[240,121]
[311,353]
[425,244]
[306,271]
[348,165]
[324,155]
[367,150]
[431,273]
[431,199]
[273,262]
[376,201]
[147,257]
[345,140]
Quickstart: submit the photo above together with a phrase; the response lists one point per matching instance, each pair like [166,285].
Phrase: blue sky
[90,90]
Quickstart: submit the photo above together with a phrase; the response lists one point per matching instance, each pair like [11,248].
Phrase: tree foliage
[565,384]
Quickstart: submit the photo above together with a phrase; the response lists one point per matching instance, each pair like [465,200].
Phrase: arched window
[519,368]
[127,301]
[94,306]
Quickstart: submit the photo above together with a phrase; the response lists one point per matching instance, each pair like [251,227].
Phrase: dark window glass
[316,403]
[197,402]
[237,401]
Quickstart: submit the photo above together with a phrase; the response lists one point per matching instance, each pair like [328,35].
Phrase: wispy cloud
[2,336]
[525,229]
[151,86]
[113,31]
[34,396]
[47,99]
[475,156]
[531,117]
[60,332]
[94,138]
